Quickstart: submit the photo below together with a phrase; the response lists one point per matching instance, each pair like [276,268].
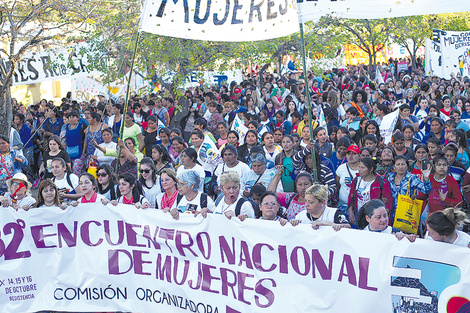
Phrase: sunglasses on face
[144,171]
[101,174]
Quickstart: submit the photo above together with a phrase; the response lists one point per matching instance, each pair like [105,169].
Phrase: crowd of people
[245,150]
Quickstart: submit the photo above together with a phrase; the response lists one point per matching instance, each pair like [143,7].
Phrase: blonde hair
[320,192]
[445,222]
[229,177]
[456,216]
[170,172]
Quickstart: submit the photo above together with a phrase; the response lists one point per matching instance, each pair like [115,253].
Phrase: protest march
[294,189]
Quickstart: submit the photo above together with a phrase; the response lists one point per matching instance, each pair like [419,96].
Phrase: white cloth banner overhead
[85,89]
[433,58]
[387,126]
[231,20]
[312,10]
[455,50]
[81,59]
[213,78]
[94,258]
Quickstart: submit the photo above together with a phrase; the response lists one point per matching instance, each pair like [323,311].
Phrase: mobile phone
[426,163]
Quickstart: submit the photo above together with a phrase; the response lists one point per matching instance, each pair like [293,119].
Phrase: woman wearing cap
[18,194]
[345,174]
[366,187]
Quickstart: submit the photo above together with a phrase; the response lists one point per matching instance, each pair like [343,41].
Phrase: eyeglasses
[101,174]
[269,203]
[144,171]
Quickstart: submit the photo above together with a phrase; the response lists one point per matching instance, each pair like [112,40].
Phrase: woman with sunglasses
[148,178]
[107,182]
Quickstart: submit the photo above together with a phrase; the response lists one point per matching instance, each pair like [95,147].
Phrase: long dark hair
[148,161]
[165,156]
[131,180]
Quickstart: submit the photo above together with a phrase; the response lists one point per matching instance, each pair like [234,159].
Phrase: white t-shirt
[463,239]
[142,200]
[198,168]
[250,178]
[328,215]
[151,194]
[246,208]
[345,181]
[194,205]
[63,184]
[27,200]
[102,159]
[241,168]
[272,157]
[363,192]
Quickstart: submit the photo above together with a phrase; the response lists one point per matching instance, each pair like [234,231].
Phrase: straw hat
[19,176]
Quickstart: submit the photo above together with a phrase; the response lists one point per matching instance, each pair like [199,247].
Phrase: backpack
[240,202]
[69,181]
[202,200]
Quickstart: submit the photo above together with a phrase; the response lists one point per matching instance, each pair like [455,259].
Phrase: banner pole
[307,104]
[126,104]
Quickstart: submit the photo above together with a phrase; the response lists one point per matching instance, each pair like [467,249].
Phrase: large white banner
[213,78]
[96,258]
[312,10]
[433,59]
[455,49]
[81,59]
[230,20]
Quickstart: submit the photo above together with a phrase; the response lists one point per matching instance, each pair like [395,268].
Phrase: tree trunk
[6,112]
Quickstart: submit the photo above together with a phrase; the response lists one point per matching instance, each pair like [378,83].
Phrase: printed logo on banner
[420,283]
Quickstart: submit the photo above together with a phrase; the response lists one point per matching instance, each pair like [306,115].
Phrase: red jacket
[453,198]
[375,193]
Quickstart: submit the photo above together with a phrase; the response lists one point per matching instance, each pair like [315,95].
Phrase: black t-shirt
[47,160]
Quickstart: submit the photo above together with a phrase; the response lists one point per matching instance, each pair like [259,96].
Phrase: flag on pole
[378,76]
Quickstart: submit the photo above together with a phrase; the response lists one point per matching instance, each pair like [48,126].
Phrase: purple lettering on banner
[11,251]
[160,271]
[167,234]
[200,244]
[230,310]
[295,261]
[64,233]
[257,257]
[179,244]
[113,261]
[37,232]
[317,259]
[107,233]
[226,283]
[153,240]
[226,251]
[245,255]
[283,261]
[207,278]
[199,278]
[242,287]
[139,262]
[350,273]
[175,271]
[85,233]
[364,274]
[132,235]
[266,292]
